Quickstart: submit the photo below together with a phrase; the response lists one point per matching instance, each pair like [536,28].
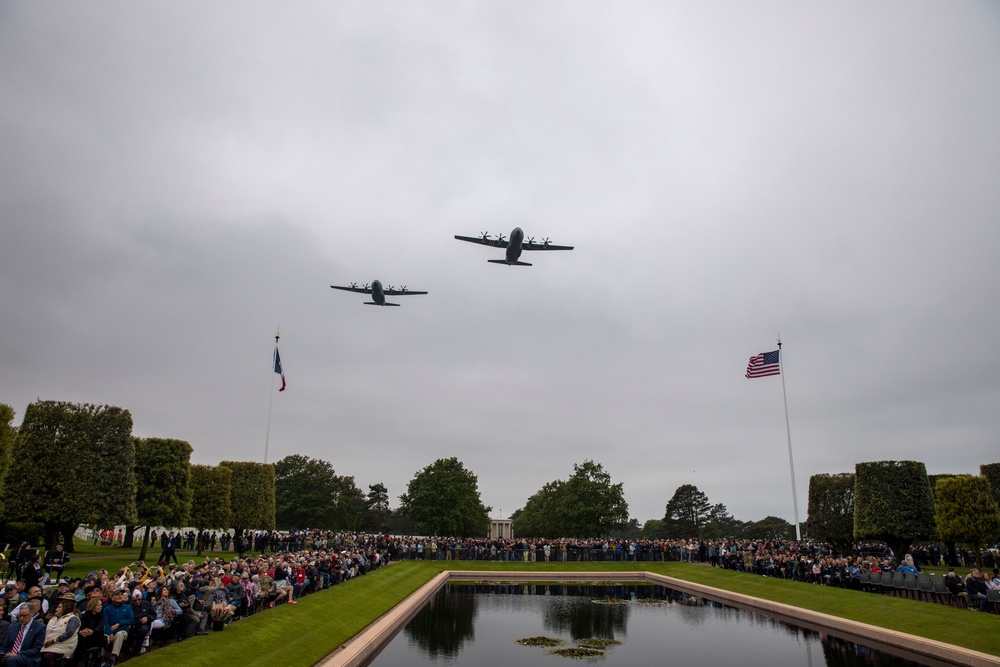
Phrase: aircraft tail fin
[372,303]
[504,261]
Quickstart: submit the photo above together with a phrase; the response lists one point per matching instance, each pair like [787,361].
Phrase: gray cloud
[177,181]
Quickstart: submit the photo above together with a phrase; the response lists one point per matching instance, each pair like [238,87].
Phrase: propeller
[485,235]
[391,287]
[403,288]
[367,285]
[545,241]
[531,240]
[500,239]
[354,285]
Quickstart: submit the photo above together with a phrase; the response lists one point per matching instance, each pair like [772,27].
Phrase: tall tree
[831,509]
[163,471]
[770,528]
[542,515]
[399,524]
[350,504]
[585,505]
[967,513]
[991,471]
[652,529]
[592,505]
[949,545]
[630,531]
[210,499]
[687,512]
[81,460]
[893,503]
[377,507]
[309,494]
[7,433]
[933,480]
[721,523]
[251,496]
[443,499]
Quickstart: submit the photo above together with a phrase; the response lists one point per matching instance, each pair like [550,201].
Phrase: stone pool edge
[369,642]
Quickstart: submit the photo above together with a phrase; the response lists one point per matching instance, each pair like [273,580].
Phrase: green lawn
[304,633]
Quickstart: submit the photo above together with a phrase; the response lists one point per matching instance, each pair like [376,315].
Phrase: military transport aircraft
[377,292]
[514,246]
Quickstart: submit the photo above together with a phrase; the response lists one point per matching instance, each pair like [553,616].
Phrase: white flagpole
[270,402]
[788,429]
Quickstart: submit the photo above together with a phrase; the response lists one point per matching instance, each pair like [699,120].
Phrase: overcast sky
[180,179]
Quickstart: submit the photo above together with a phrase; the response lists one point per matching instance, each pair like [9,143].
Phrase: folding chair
[899,583]
[926,586]
[994,600]
[941,591]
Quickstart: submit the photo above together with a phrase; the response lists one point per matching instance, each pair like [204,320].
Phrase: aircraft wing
[496,243]
[401,292]
[543,246]
[354,288]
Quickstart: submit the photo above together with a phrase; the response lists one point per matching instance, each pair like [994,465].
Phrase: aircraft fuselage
[514,248]
[378,295]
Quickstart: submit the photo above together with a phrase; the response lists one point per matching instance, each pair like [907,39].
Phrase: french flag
[277,368]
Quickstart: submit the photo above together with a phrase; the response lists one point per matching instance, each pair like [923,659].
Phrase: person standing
[168,549]
[16,561]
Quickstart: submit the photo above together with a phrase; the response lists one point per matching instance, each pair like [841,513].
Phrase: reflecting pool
[481,624]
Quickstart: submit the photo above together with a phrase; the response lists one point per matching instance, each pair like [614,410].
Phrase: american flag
[763,364]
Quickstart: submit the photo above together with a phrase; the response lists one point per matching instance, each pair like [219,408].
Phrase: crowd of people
[821,564]
[807,561]
[106,617]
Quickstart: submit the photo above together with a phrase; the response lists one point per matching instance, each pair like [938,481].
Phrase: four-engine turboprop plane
[514,246]
[377,292]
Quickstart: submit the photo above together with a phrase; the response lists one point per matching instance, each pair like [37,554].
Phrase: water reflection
[841,653]
[446,622]
[566,616]
[479,624]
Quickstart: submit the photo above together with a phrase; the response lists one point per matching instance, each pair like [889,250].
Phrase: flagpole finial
[277,335]
[779,341]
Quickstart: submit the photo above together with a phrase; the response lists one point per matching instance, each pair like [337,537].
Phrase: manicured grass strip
[951,625]
[302,634]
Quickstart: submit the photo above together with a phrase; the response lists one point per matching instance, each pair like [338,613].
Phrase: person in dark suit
[22,646]
[16,561]
[31,573]
[169,548]
[56,561]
